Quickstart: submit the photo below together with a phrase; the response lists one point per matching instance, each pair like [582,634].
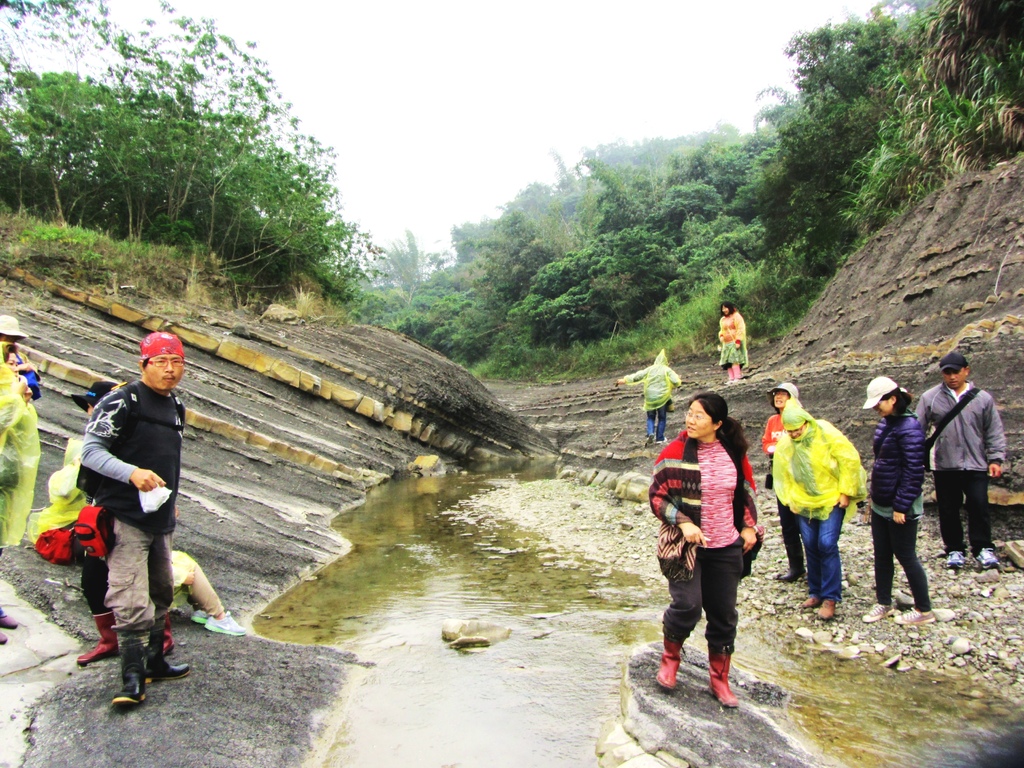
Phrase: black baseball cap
[94,395]
[952,360]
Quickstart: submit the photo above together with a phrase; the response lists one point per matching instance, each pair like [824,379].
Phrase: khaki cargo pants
[141,582]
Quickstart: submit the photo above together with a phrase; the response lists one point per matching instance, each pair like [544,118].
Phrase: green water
[536,699]
[420,556]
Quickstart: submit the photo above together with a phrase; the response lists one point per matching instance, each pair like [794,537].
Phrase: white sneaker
[915,617]
[226,626]
[987,559]
[878,613]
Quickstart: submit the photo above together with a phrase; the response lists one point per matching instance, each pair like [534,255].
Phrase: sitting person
[191,585]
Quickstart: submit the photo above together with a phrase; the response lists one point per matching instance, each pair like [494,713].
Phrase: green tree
[841,74]
[961,109]
[180,138]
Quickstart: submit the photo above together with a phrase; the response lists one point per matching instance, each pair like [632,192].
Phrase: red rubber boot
[719,664]
[168,640]
[669,665]
[107,645]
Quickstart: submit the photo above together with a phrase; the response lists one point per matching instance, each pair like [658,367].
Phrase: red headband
[161,343]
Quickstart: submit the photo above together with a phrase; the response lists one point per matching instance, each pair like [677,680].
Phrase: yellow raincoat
[19,455]
[812,471]
[659,380]
[66,498]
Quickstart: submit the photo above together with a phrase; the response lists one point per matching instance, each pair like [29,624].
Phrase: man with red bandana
[133,439]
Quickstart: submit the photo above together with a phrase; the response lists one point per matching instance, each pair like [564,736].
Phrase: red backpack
[95,531]
[56,545]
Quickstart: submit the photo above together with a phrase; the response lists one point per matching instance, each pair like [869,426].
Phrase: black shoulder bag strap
[953,413]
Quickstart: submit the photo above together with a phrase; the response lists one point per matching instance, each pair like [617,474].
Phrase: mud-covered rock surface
[268,462]
[688,721]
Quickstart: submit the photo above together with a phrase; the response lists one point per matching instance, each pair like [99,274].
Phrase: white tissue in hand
[152,500]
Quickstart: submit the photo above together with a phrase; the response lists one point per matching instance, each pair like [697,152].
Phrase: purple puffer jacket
[898,473]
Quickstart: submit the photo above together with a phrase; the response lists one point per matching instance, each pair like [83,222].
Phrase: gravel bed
[980,633]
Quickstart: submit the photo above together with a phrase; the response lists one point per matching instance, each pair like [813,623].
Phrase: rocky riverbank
[980,632]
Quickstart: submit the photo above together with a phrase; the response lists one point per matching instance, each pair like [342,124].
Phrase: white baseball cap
[879,388]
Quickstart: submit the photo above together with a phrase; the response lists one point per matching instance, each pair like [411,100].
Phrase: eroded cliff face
[948,274]
[287,426]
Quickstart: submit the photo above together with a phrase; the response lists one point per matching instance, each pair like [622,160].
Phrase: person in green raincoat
[659,380]
[19,460]
[817,474]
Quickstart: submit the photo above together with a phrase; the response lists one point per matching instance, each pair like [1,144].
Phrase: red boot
[107,645]
[669,665]
[168,640]
[719,664]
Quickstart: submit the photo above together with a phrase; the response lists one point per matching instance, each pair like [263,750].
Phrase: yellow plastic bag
[66,498]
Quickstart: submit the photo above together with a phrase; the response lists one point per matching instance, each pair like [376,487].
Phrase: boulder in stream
[688,723]
[467,633]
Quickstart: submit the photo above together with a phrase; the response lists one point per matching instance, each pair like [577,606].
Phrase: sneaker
[915,617]
[200,617]
[650,440]
[660,442]
[226,626]
[955,560]
[987,559]
[878,613]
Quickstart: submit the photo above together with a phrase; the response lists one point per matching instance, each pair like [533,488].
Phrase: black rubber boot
[133,669]
[157,667]
[795,556]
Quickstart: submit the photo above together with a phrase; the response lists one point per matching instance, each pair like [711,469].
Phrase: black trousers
[94,584]
[716,576]
[791,536]
[899,541]
[970,489]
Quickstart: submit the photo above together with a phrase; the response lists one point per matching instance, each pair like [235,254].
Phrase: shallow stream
[541,697]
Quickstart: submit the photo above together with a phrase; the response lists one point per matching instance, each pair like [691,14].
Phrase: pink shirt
[717,488]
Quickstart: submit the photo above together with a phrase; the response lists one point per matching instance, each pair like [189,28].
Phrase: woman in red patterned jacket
[702,493]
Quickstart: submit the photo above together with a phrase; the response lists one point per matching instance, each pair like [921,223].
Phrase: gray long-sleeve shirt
[972,440]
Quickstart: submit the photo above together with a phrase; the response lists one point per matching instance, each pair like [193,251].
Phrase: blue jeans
[821,545]
[661,414]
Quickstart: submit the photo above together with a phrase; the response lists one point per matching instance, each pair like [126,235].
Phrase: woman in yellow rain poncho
[19,454]
[818,474]
[659,380]
[19,460]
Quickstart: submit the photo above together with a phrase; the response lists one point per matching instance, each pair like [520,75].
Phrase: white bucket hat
[879,388]
[9,327]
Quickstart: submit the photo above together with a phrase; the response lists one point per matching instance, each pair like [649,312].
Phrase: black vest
[154,443]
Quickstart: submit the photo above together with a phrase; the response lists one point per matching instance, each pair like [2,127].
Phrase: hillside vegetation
[633,248]
[181,142]
[180,139]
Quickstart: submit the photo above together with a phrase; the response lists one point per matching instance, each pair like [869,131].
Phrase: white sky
[440,112]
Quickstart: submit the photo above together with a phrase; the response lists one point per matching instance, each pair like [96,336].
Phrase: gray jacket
[972,440]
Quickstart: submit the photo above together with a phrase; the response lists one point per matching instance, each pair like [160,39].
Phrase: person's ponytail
[731,433]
